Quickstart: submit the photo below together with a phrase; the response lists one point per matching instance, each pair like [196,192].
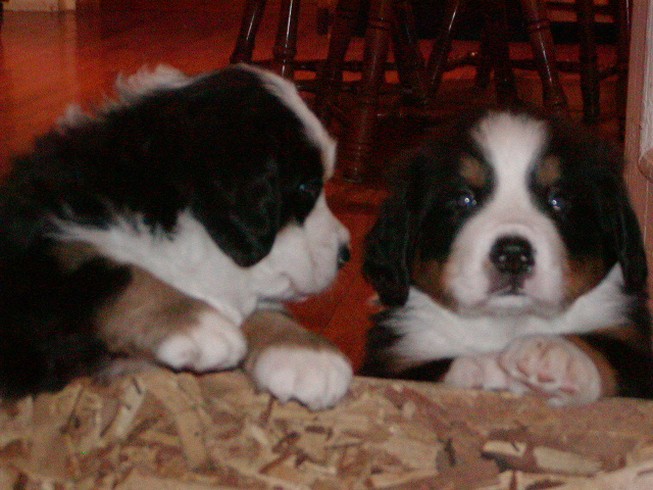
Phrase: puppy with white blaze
[168,227]
[509,258]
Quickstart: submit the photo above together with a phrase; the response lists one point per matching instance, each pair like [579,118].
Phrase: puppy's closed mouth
[509,291]
[507,285]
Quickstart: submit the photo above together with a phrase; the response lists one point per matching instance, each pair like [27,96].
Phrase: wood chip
[554,460]
[510,449]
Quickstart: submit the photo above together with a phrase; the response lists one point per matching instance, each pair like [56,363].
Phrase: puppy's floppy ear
[622,237]
[619,225]
[386,253]
[389,245]
[242,214]
[627,242]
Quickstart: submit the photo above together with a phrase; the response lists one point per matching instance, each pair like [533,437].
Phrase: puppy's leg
[624,358]
[610,361]
[152,320]
[293,363]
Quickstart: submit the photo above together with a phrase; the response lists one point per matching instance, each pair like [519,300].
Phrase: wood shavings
[130,402]
[160,430]
[554,460]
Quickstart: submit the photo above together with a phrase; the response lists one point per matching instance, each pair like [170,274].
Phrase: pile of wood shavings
[160,430]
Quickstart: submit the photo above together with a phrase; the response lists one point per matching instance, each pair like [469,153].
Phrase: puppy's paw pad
[477,372]
[553,367]
[213,344]
[316,378]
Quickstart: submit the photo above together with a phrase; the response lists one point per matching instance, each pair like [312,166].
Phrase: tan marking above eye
[473,171]
[548,171]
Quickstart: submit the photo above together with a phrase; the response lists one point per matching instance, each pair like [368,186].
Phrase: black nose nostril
[512,255]
[344,254]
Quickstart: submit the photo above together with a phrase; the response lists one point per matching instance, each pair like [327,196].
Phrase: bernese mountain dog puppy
[509,258]
[155,227]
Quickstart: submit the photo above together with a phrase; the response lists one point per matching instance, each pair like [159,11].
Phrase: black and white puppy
[154,227]
[509,258]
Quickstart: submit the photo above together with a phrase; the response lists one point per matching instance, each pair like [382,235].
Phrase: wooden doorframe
[639,122]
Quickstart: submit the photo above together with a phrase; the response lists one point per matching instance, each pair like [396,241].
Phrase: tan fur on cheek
[146,312]
[430,277]
[583,275]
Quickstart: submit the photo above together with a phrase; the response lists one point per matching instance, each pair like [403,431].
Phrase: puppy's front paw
[318,378]
[552,367]
[478,372]
[213,344]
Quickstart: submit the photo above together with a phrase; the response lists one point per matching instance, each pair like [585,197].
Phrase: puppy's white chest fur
[429,331]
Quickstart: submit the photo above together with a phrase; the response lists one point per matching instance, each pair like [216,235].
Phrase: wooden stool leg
[622,17]
[539,31]
[330,76]
[249,27]
[410,62]
[484,66]
[323,17]
[437,63]
[496,22]
[589,70]
[285,46]
[359,137]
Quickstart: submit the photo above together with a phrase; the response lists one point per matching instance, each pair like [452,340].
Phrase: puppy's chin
[514,305]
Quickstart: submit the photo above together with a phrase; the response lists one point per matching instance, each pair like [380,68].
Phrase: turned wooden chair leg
[539,31]
[249,26]
[330,76]
[622,17]
[437,62]
[589,70]
[496,22]
[285,46]
[359,138]
[409,59]
[484,66]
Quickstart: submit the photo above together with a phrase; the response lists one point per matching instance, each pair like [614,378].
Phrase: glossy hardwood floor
[49,60]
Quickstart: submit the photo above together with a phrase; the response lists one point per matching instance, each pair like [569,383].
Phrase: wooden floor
[49,60]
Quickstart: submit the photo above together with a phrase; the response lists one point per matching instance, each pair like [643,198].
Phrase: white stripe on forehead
[511,143]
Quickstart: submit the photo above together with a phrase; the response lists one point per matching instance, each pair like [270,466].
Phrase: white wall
[41,5]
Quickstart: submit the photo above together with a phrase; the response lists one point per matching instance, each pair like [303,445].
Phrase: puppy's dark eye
[557,201]
[464,200]
[310,189]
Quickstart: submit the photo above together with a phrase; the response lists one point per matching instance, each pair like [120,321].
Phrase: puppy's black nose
[512,255]
[344,254]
